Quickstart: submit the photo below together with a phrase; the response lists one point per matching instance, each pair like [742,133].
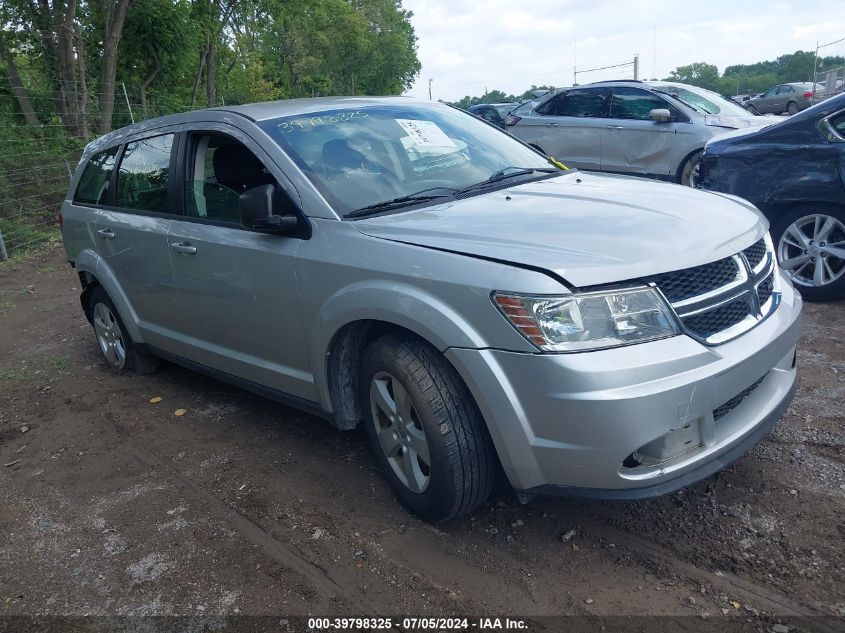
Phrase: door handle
[184,247]
[615,127]
[551,124]
[107,234]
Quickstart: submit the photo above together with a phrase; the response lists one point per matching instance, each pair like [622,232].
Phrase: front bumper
[573,423]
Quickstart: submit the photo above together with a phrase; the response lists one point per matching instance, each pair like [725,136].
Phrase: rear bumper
[575,424]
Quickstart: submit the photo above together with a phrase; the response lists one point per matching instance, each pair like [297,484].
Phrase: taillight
[512,119]
[808,94]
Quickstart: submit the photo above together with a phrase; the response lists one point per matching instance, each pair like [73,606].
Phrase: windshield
[504,109]
[361,156]
[704,101]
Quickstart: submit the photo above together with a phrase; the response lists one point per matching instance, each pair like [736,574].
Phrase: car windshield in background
[704,101]
[360,159]
[505,110]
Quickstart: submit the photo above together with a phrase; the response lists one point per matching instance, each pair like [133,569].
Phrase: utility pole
[815,69]
[129,107]
[636,67]
[654,55]
[429,89]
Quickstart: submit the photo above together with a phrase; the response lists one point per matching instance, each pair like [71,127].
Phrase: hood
[589,229]
[733,134]
[740,122]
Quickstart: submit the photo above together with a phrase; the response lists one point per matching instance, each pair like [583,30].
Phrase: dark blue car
[794,172]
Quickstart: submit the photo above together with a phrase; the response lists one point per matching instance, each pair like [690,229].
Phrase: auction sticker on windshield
[426,133]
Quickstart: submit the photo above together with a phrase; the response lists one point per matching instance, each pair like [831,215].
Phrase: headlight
[590,320]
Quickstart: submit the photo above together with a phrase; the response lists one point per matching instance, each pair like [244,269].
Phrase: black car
[794,172]
[495,113]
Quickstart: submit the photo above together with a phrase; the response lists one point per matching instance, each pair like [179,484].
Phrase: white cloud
[467,45]
[522,21]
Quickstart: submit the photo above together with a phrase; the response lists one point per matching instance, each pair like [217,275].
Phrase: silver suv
[643,128]
[406,266]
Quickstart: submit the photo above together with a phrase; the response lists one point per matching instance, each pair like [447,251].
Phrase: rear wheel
[425,429]
[792,107]
[117,349]
[811,250]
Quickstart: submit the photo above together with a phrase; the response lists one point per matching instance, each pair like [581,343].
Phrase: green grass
[6,306]
[62,362]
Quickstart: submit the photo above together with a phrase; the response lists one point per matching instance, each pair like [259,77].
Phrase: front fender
[88,261]
[399,304]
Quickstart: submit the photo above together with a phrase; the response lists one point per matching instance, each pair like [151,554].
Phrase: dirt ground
[111,505]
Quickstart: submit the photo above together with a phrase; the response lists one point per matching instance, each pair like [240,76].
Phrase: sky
[466,46]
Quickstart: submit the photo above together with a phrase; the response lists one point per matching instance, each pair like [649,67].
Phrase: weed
[62,362]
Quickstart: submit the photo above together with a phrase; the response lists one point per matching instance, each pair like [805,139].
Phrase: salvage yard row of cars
[792,169]
[478,306]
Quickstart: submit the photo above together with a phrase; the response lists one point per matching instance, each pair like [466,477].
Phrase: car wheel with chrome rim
[811,250]
[425,429]
[116,346]
[691,172]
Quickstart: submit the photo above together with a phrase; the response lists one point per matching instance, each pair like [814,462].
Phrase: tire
[792,108]
[688,174]
[434,412]
[118,351]
[823,254]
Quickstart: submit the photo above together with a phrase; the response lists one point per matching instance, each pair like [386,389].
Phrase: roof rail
[613,81]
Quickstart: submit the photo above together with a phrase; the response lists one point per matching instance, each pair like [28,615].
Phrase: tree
[699,74]
[14,79]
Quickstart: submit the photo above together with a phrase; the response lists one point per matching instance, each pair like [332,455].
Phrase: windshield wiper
[402,201]
[509,172]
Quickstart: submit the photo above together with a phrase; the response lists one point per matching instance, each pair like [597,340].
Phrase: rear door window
[93,185]
[586,103]
[633,103]
[143,175]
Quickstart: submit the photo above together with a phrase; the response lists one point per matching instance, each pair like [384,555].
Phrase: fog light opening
[631,461]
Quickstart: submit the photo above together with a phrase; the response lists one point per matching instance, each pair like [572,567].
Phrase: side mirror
[255,207]
[660,115]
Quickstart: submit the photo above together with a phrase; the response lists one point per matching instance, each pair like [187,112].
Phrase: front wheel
[690,173]
[810,246]
[425,429]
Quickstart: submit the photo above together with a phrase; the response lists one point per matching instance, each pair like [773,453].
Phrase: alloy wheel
[400,433]
[109,336]
[812,250]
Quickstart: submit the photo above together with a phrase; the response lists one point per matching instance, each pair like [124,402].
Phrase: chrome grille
[755,253]
[766,288]
[717,302]
[683,284]
[714,321]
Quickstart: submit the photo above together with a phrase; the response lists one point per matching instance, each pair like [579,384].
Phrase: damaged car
[641,128]
[794,173]
[401,265]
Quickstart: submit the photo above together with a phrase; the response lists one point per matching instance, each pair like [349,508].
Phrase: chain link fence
[36,164]
[33,185]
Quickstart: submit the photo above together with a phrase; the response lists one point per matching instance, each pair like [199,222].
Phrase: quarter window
[632,103]
[142,178]
[93,185]
[838,124]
